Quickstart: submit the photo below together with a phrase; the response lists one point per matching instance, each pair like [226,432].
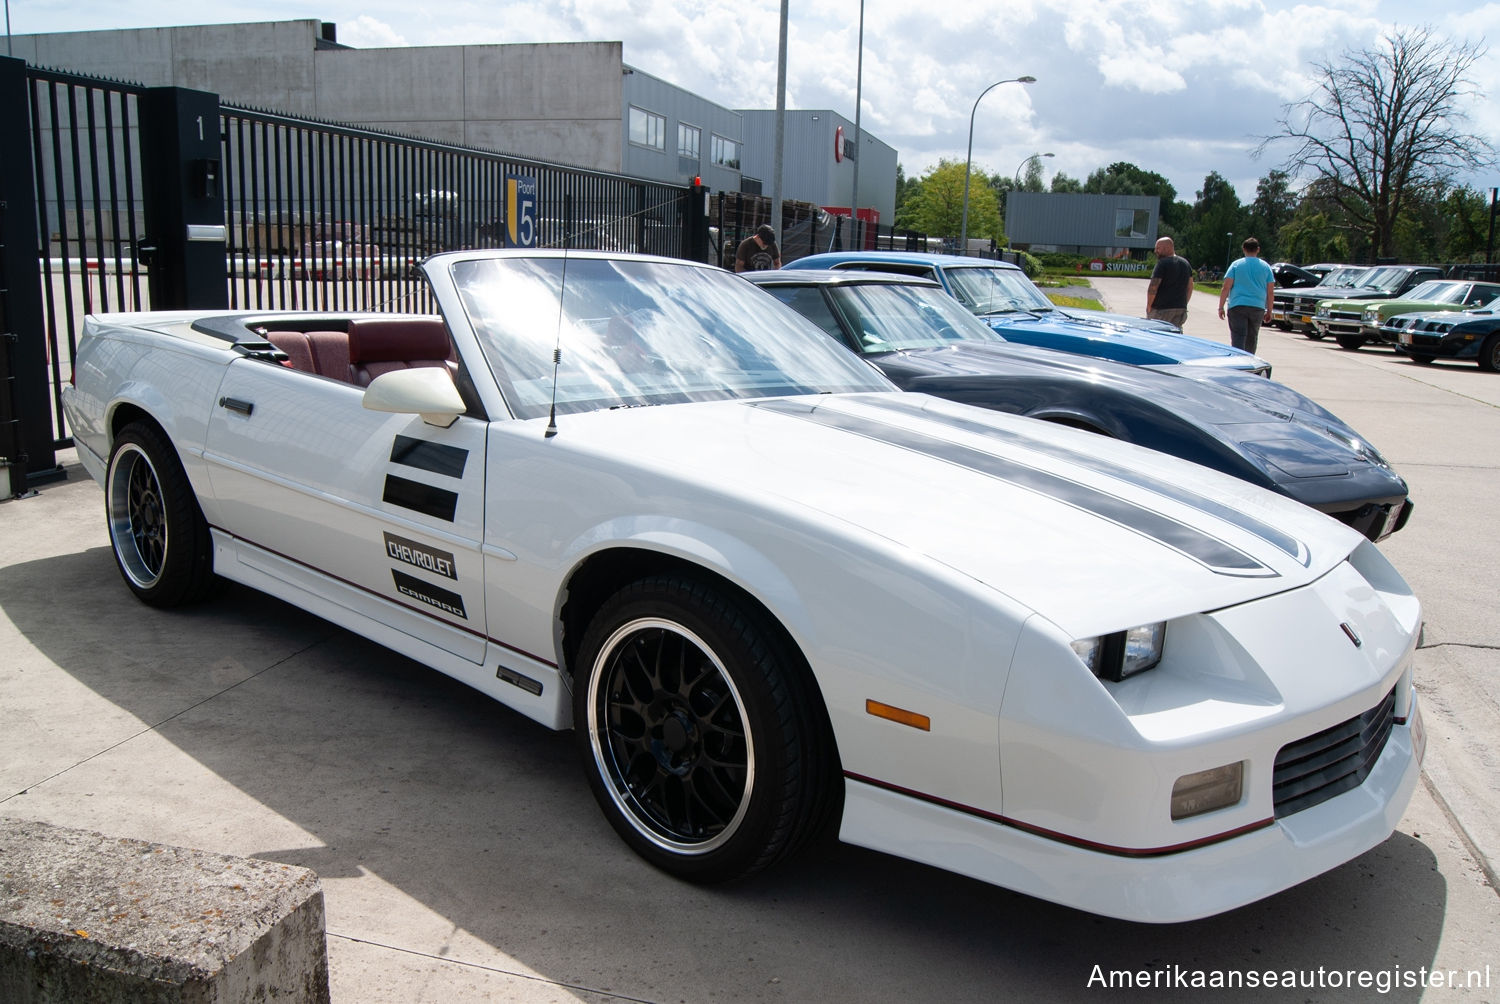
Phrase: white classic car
[641,499]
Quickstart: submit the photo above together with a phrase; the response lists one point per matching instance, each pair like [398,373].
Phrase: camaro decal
[425,456]
[433,596]
[438,503]
[1278,539]
[1215,554]
[427,558]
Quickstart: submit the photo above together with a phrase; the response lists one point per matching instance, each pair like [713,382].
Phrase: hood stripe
[1279,539]
[1214,554]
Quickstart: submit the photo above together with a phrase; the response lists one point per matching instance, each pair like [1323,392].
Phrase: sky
[1179,87]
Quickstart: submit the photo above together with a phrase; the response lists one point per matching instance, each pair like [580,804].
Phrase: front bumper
[1377,520]
[1161,887]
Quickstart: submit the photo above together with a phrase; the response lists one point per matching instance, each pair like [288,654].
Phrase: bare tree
[1383,123]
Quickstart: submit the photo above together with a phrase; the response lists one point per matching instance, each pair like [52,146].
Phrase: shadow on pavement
[484,819]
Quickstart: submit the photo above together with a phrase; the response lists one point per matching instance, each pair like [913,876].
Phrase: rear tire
[160,540]
[700,729]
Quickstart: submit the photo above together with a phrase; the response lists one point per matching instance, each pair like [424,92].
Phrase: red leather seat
[325,353]
[380,345]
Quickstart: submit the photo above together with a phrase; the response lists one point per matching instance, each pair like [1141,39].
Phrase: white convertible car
[641,499]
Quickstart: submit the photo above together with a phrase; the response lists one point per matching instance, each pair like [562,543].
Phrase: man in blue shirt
[1249,289]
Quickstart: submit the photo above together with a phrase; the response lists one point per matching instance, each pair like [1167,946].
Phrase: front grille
[1336,760]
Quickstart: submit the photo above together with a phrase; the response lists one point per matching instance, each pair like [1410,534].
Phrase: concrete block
[89,918]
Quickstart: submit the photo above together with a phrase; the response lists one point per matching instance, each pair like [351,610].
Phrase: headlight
[1373,314]
[1322,310]
[1123,653]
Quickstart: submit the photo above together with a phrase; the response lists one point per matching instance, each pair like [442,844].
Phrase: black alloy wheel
[694,724]
[160,540]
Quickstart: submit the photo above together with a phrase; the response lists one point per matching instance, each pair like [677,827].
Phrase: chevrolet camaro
[640,499]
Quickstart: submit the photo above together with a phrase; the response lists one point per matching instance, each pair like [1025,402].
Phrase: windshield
[987,290]
[640,332]
[886,318]
[1386,280]
[1437,291]
[1345,275]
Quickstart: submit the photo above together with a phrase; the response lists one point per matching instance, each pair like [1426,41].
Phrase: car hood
[1289,438]
[1392,307]
[1168,343]
[1450,316]
[1093,534]
[1123,320]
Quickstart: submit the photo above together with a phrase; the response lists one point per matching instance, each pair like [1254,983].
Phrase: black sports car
[1253,428]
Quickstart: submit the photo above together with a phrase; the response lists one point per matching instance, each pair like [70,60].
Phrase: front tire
[700,730]
[1489,354]
[1351,342]
[1314,334]
[159,537]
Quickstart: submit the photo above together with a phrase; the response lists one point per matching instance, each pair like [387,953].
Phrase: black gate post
[695,224]
[26,449]
[183,199]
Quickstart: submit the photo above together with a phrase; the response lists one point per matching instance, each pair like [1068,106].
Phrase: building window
[647,129]
[688,138]
[1131,222]
[725,152]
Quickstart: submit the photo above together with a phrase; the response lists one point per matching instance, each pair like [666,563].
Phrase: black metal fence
[805,229]
[328,216]
[241,208]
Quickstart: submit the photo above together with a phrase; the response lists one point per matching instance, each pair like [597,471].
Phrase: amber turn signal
[898,715]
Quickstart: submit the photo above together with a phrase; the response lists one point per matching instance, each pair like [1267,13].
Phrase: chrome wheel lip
[605,763]
[131,518]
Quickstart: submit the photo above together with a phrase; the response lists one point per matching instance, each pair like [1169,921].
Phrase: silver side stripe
[1214,554]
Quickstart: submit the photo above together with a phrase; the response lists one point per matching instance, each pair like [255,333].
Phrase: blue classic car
[1000,293]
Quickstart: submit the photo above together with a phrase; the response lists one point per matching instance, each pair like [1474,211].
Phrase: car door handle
[235,404]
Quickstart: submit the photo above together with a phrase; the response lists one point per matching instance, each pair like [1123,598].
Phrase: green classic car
[1354,322]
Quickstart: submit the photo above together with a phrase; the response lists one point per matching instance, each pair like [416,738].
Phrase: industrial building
[572,103]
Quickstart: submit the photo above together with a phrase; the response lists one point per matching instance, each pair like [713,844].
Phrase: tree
[1065,184]
[1274,206]
[1383,122]
[1216,224]
[936,206]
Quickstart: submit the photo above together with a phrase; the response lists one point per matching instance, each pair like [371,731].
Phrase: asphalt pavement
[463,859]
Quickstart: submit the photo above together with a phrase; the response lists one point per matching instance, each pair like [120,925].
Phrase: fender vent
[1334,761]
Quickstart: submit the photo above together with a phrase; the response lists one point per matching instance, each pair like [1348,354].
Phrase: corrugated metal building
[1103,225]
[818,165]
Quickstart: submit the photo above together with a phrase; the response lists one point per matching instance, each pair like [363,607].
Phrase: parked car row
[1406,307]
[772,595]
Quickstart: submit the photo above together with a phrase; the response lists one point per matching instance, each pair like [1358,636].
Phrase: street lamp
[1017,188]
[1028,160]
[963,230]
[1229,249]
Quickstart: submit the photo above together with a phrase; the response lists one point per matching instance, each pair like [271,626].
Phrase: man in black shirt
[758,251]
[1171,285]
